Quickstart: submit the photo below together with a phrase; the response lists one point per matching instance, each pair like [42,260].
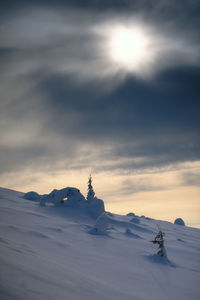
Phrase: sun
[128,47]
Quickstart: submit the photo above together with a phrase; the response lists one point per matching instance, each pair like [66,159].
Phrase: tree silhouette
[91,193]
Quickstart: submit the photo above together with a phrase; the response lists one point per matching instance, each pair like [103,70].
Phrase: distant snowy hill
[53,252]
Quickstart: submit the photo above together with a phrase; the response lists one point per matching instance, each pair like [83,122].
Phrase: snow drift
[46,253]
[70,197]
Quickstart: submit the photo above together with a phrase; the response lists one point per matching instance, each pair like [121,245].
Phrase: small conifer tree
[159,239]
[91,193]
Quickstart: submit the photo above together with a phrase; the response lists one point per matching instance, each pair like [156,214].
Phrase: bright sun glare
[128,48]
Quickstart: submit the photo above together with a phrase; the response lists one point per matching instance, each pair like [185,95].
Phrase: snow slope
[49,253]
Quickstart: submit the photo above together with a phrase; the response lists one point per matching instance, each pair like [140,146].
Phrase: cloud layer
[67,106]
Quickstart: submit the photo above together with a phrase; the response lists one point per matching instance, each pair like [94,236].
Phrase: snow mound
[69,196]
[96,207]
[121,221]
[135,221]
[129,233]
[179,221]
[33,196]
[131,214]
[180,240]
[101,225]
[109,214]
[155,258]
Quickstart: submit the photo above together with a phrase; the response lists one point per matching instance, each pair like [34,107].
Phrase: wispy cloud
[75,43]
[67,106]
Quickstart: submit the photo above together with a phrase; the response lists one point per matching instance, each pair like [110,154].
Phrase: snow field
[48,253]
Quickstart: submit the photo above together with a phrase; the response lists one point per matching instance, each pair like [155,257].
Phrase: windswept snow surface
[47,253]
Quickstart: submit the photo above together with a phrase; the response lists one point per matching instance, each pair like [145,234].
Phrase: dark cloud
[147,5]
[166,109]
[158,121]
[50,115]
[180,14]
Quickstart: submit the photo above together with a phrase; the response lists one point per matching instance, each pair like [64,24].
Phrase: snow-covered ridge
[48,252]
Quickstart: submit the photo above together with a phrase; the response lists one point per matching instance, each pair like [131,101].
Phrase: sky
[103,87]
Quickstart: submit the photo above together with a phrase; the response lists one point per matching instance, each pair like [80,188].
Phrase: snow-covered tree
[101,225]
[91,193]
[69,196]
[179,221]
